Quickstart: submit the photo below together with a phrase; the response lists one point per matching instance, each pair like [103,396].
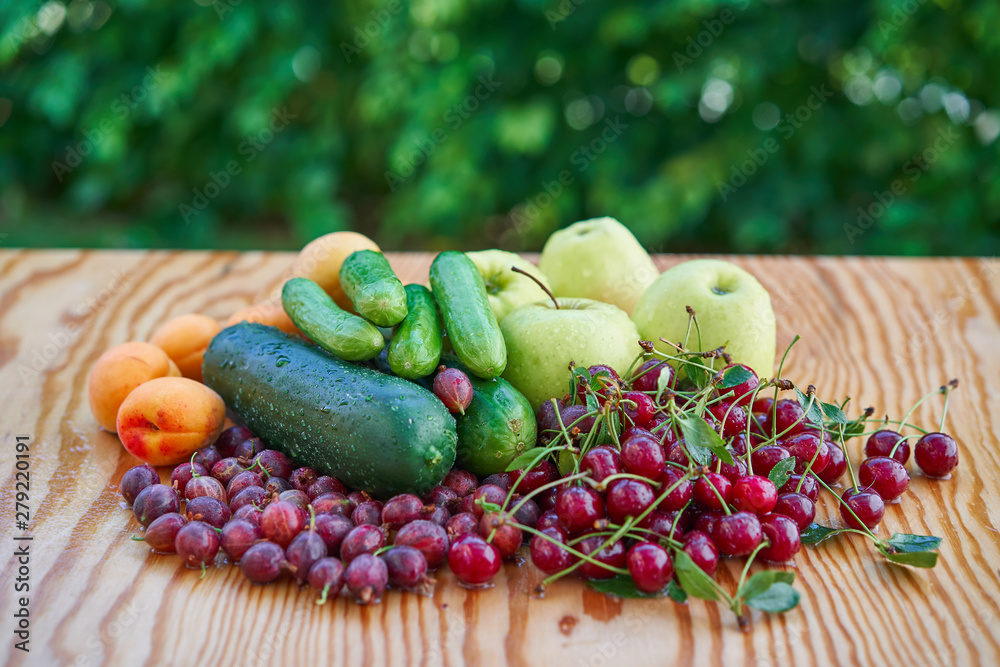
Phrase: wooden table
[884,331]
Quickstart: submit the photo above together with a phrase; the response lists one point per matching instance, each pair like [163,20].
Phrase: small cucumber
[497,427]
[327,324]
[374,432]
[415,349]
[376,292]
[468,318]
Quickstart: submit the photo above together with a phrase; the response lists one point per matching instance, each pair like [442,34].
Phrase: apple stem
[537,282]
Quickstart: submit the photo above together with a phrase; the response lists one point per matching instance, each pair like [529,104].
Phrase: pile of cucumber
[359,409]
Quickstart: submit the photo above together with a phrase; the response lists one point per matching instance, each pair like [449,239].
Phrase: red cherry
[647,376]
[796,506]
[881,443]
[806,447]
[706,497]
[677,499]
[638,408]
[755,494]
[702,551]
[886,476]
[642,455]
[628,498]
[743,392]
[936,454]
[473,560]
[737,534]
[866,504]
[578,507]
[650,567]
[613,555]
[783,535]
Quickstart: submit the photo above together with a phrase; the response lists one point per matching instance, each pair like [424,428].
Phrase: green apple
[732,307]
[598,259]
[542,340]
[508,289]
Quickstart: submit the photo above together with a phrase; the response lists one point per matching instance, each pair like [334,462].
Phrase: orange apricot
[120,370]
[163,421]
[184,339]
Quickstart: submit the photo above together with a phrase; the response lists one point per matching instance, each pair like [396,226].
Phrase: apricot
[321,258]
[163,421]
[120,370]
[185,339]
[265,312]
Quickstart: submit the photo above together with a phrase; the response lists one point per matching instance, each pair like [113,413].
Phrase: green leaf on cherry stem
[525,459]
[699,376]
[702,441]
[782,471]
[814,533]
[906,543]
[779,597]
[576,377]
[592,404]
[856,427]
[833,413]
[733,376]
[663,384]
[693,579]
[676,593]
[762,581]
[621,586]
[813,412]
[924,559]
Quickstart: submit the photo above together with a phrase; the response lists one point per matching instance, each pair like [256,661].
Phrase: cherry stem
[906,417]
[573,552]
[947,396]
[809,466]
[781,365]
[537,282]
[722,501]
[322,599]
[921,431]
[542,453]
[902,440]
[737,602]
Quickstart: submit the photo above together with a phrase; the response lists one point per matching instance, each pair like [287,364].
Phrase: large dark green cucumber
[468,318]
[372,286]
[415,349]
[497,426]
[327,324]
[377,433]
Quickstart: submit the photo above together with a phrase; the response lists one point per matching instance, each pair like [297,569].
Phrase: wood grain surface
[883,331]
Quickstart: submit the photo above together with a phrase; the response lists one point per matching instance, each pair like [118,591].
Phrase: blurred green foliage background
[785,126]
